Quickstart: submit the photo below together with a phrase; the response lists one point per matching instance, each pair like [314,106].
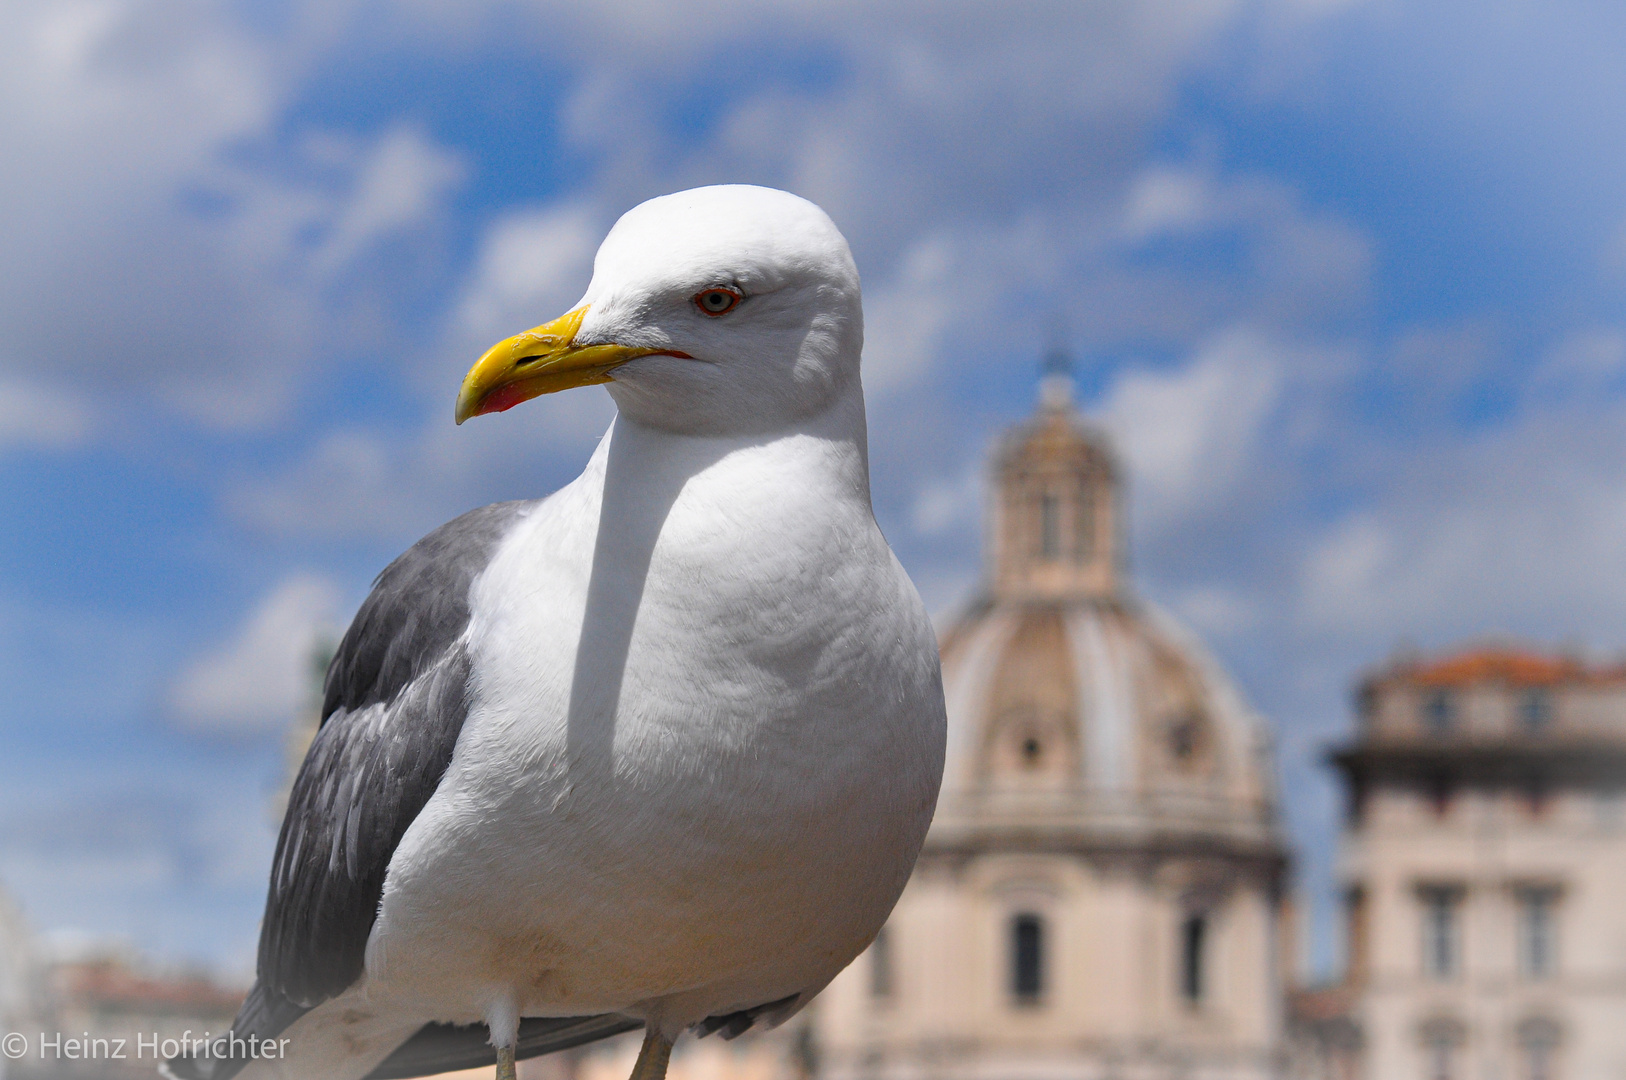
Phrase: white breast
[705,744]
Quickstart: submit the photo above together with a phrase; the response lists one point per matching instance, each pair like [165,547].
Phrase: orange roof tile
[1517,667]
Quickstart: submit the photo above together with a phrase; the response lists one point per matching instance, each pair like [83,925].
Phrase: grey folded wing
[393,705]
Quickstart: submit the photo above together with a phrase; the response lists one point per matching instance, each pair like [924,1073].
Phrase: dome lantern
[1056,513]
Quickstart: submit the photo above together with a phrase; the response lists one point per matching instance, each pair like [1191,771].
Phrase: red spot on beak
[501,399]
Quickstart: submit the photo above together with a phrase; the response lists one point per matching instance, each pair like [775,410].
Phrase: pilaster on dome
[1056,518]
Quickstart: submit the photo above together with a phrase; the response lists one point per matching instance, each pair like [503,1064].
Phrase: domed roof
[1075,708]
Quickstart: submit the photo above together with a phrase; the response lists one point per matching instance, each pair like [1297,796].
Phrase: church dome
[1078,713]
[1102,891]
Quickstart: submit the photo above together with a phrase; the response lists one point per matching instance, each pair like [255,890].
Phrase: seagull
[656,751]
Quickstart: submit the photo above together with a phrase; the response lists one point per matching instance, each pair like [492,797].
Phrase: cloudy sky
[1344,279]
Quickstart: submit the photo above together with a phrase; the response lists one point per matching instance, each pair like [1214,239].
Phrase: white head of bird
[723,310]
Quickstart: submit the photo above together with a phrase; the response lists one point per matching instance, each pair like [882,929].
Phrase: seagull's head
[720,310]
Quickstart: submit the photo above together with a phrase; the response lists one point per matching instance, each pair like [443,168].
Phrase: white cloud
[1439,363]
[1162,201]
[1191,435]
[259,680]
[168,246]
[1298,264]
[532,264]
[1219,612]
[401,185]
[395,487]
[1585,360]
[347,482]
[109,109]
[905,318]
[949,503]
[1023,109]
[1517,528]
[33,416]
[137,92]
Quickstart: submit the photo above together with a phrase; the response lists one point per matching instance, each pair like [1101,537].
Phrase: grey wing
[393,705]
[367,775]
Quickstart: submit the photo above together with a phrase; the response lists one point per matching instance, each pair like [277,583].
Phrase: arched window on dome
[1187,738]
[1084,524]
[1027,958]
[1030,747]
[1049,526]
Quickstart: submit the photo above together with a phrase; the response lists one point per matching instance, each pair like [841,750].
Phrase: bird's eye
[717,301]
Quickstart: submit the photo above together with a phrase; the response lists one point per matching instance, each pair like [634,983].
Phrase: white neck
[652,464]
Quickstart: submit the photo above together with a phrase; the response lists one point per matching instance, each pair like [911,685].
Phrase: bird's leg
[502,1020]
[653,1056]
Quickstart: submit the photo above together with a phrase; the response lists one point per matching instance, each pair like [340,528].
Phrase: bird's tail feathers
[264,1015]
[438,1048]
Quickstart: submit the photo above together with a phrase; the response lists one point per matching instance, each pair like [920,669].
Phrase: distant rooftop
[1509,665]
[109,985]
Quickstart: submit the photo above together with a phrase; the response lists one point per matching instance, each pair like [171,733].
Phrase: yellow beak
[540,361]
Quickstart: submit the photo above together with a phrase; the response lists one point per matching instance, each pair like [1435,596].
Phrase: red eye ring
[717,300]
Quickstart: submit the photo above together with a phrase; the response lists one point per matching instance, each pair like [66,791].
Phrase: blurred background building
[1102,890]
[74,989]
[1484,861]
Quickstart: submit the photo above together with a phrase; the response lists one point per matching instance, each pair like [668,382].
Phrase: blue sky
[1344,280]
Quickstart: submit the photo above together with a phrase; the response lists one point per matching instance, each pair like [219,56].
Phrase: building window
[1442,788]
[1193,946]
[1439,711]
[1356,929]
[880,966]
[1185,738]
[1027,958]
[1049,527]
[1538,931]
[1355,802]
[1535,709]
[1440,1052]
[1538,1049]
[1084,526]
[1442,1037]
[1538,1061]
[1441,915]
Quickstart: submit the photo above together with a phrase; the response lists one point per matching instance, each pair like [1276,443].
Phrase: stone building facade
[1484,869]
[1101,891]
